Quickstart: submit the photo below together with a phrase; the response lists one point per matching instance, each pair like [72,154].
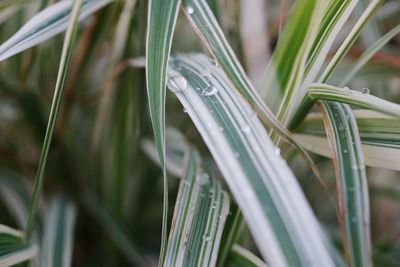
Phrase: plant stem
[55,106]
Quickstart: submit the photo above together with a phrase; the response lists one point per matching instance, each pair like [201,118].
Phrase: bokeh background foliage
[277,143]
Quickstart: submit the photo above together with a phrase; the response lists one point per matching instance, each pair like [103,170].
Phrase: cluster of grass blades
[271,172]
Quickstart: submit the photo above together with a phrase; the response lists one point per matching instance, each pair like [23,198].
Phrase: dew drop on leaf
[209,91]
[190,10]
[177,83]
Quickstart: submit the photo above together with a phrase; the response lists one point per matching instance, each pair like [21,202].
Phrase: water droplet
[184,110]
[277,151]
[365,91]
[190,10]
[246,129]
[209,91]
[215,63]
[346,88]
[177,83]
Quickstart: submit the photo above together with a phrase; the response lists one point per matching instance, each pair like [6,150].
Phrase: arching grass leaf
[57,245]
[276,211]
[46,24]
[352,187]
[200,213]
[162,16]
[13,248]
[362,99]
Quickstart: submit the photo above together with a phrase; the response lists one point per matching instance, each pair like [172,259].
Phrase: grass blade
[375,128]
[242,257]
[206,26]
[350,39]
[376,156]
[200,213]
[46,24]
[352,185]
[369,53]
[362,99]
[162,18]
[263,185]
[284,74]
[55,106]
[58,237]
[13,249]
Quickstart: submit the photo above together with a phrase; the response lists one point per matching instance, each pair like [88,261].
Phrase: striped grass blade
[352,187]
[13,247]
[55,106]
[200,214]
[47,23]
[277,213]
[57,246]
[359,98]
[162,16]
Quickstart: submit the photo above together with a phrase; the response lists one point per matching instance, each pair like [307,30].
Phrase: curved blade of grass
[162,16]
[200,212]
[56,249]
[45,25]
[240,256]
[285,72]
[334,16]
[206,26]
[13,249]
[376,156]
[350,39]
[351,180]
[55,106]
[374,127]
[278,215]
[362,99]
[369,53]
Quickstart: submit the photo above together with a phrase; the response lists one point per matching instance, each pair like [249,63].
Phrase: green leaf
[206,26]
[240,256]
[352,184]
[55,106]
[57,246]
[47,23]
[162,16]
[281,87]
[369,53]
[277,213]
[362,99]
[376,156]
[350,39]
[200,213]
[13,249]
[334,15]
[375,128]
